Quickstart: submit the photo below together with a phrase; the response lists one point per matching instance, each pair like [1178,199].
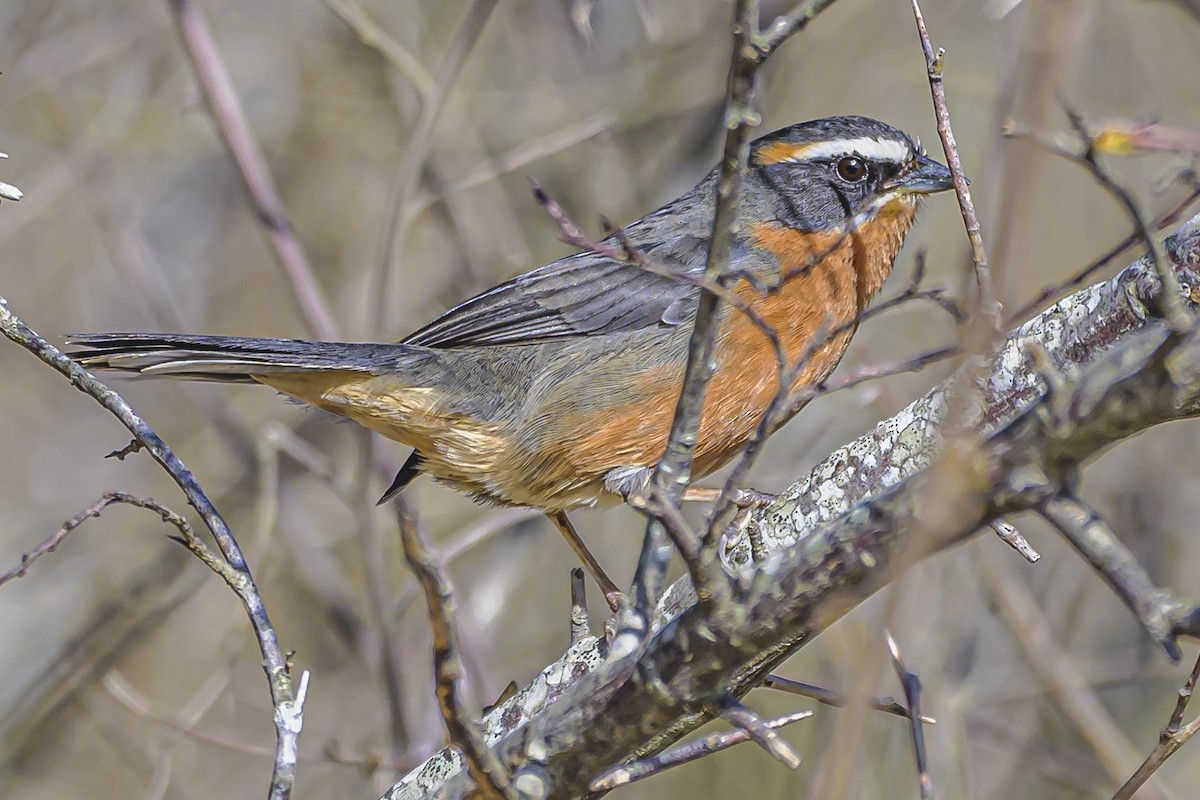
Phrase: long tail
[230,359]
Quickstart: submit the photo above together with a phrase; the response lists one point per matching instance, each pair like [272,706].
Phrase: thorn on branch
[912,695]
[683,754]
[834,699]
[755,728]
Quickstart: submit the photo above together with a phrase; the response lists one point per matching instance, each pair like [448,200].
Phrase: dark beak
[928,178]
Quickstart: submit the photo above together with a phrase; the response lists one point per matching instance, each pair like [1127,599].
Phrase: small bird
[556,389]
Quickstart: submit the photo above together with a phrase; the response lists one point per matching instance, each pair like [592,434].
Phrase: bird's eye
[852,169]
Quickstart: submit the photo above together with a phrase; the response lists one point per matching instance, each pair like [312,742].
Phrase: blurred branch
[221,99]
[1054,670]
[408,177]
[288,705]
[850,527]
[1173,737]
[7,190]
[374,36]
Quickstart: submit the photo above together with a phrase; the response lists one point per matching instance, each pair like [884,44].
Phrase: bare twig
[1055,670]
[684,753]
[408,177]
[673,472]
[1174,312]
[223,105]
[372,35]
[837,700]
[991,321]
[1173,737]
[785,25]
[1082,276]
[94,510]
[580,625]
[485,769]
[912,695]
[1154,608]
[1013,538]
[1087,155]
[274,661]
[125,452]
[759,731]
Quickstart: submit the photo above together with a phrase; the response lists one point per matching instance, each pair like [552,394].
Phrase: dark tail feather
[229,359]
[410,470]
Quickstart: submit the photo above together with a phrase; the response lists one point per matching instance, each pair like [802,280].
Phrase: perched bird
[556,389]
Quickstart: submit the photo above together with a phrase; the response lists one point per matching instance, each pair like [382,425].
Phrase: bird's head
[819,174]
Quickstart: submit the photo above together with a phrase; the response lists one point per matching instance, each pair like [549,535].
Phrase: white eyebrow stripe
[873,149]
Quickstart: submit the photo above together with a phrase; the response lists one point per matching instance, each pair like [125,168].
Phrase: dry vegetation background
[128,670]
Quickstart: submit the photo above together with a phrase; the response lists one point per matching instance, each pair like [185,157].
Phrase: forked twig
[1173,737]
[288,706]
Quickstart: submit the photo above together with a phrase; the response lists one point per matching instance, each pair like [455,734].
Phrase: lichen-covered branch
[854,523]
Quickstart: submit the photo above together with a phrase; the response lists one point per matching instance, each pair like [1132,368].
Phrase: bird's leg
[612,594]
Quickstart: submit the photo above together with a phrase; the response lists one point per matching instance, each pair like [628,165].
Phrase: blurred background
[129,670]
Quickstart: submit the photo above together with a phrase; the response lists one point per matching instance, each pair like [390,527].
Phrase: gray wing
[585,293]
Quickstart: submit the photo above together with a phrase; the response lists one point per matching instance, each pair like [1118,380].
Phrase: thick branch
[850,527]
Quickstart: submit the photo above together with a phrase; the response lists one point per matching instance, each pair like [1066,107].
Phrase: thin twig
[912,696]
[378,590]
[1013,538]
[374,36]
[987,305]
[408,177]
[1174,310]
[683,754]
[125,452]
[1056,671]
[274,661]
[1084,275]
[673,472]
[221,99]
[1153,607]
[785,25]
[758,730]
[834,699]
[486,771]
[52,542]
[1173,737]
[789,398]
